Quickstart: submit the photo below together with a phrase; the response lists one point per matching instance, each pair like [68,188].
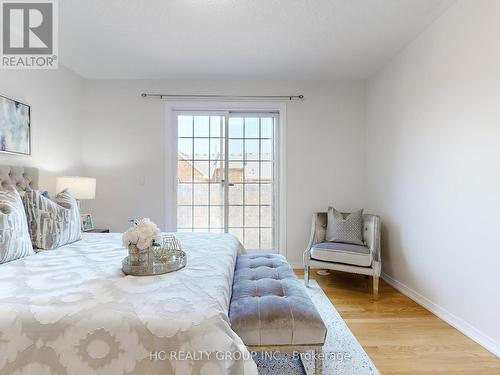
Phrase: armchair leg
[306,276]
[375,287]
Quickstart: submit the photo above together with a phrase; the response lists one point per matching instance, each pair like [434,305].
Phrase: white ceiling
[282,39]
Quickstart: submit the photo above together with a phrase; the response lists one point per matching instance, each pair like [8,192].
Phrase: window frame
[174,108]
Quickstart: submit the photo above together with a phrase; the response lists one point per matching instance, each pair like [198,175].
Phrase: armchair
[344,257]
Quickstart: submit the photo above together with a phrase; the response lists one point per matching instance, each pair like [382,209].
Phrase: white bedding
[72,311]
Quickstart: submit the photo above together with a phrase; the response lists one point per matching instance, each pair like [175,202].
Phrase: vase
[138,257]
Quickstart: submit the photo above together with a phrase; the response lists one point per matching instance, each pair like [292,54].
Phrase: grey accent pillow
[52,222]
[347,229]
[15,241]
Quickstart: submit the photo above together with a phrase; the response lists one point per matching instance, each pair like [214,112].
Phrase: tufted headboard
[19,177]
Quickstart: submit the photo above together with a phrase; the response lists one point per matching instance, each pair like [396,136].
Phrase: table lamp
[80,187]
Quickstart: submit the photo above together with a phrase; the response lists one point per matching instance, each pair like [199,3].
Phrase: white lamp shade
[80,187]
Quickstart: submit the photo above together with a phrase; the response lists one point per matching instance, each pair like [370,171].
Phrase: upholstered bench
[270,309]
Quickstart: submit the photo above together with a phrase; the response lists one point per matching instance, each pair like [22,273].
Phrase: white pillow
[52,222]
[15,241]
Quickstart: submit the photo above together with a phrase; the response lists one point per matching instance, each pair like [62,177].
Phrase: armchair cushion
[346,228]
[337,252]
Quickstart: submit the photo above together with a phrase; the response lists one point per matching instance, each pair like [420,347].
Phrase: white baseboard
[482,339]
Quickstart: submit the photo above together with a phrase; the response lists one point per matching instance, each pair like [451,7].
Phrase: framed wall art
[15,127]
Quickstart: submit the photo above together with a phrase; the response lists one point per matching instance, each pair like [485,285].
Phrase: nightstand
[96,231]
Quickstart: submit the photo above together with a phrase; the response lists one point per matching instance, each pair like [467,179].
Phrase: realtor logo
[29,34]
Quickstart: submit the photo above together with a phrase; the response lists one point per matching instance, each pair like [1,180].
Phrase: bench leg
[318,362]
[306,276]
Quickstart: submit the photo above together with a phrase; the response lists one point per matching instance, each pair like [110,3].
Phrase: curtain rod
[196,96]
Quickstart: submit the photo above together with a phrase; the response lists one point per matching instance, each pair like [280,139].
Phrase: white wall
[123,141]
[56,99]
[433,163]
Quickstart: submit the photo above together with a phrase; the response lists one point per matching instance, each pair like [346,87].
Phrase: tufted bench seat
[270,308]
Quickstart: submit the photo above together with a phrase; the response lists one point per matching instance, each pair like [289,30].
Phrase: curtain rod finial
[301,96]
[144,94]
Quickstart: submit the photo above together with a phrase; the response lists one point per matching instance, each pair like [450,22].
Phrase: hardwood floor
[400,336]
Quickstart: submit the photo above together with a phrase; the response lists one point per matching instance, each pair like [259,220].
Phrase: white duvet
[73,311]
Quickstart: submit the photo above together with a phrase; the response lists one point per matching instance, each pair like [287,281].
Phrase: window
[226,175]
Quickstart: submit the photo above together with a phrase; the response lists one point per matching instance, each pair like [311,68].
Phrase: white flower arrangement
[143,234]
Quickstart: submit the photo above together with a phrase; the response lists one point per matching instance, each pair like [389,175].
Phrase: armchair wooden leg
[375,287]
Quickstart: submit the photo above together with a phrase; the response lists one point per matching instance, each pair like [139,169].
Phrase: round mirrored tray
[168,264]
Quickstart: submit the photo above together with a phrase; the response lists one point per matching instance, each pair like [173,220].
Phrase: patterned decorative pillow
[52,222]
[15,239]
[347,230]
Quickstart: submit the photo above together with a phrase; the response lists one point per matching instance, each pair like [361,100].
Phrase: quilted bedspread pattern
[73,311]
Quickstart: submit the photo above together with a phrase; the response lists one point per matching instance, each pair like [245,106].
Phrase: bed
[73,311]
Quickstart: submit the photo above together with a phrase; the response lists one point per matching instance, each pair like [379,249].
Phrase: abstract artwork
[15,129]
